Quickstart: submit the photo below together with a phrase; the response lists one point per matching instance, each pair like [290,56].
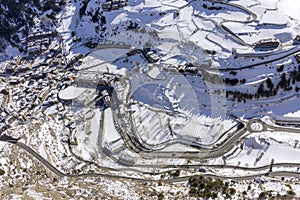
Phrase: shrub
[2,172]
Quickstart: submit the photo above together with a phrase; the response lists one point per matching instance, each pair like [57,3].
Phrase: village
[30,85]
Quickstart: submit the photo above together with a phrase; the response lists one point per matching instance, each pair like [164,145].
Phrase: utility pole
[224,159]
[271,165]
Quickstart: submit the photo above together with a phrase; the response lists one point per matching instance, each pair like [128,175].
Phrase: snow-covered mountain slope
[118,99]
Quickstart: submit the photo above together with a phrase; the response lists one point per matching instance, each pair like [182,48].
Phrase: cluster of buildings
[104,91]
[188,68]
[114,4]
[267,44]
[39,42]
[148,54]
[30,86]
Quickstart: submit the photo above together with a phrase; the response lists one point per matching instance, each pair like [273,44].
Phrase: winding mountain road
[57,172]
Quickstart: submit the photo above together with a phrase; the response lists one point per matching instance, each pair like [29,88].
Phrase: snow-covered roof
[70,93]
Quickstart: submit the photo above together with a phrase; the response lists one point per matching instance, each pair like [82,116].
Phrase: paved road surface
[53,169]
